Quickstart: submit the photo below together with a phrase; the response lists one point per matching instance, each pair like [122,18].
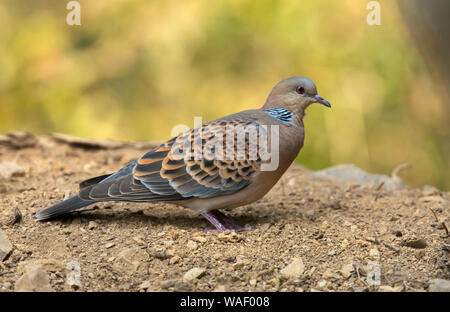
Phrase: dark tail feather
[63,207]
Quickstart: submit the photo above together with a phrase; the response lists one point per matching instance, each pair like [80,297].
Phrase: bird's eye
[300,90]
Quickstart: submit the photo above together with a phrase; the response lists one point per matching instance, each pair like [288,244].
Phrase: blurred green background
[135,68]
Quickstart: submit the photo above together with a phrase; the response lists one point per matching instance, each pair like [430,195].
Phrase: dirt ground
[311,235]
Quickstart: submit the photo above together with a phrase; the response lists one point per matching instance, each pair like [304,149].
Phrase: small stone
[109,245]
[168,243]
[264,227]
[329,274]
[416,243]
[5,286]
[174,260]
[139,240]
[439,285]
[347,270]
[34,280]
[220,288]
[429,190]
[253,282]
[14,217]
[321,284]
[238,265]
[92,225]
[432,199]
[49,265]
[386,288]
[200,239]
[18,139]
[193,274]
[294,269]
[374,253]
[192,245]
[5,246]
[131,259]
[10,170]
[145,284]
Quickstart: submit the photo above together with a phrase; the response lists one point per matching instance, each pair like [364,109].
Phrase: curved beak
[321,100]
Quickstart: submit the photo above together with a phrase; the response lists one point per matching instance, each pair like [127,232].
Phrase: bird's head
[295,94]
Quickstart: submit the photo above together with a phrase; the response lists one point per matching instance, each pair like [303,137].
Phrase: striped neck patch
[281,114]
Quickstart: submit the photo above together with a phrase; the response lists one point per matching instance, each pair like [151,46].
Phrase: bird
[206,169]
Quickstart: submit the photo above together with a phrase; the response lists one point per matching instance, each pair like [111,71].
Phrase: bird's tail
[63,207]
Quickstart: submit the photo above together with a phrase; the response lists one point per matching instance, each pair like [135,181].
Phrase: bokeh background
[135,68]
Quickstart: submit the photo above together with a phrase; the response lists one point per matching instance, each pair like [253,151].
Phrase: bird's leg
[223,223]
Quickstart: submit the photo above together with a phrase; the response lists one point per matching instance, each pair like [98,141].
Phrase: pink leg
[223,223]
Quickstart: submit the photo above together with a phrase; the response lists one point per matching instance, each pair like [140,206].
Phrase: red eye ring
[300,90]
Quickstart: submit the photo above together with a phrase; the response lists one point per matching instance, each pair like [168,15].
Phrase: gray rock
[18,139]
[294,269]
[11,169]
[439,285]
[192,274]
[5,246]
[35,280]
[92,225]
[352,174]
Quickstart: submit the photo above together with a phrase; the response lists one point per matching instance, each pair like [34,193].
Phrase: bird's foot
[223,223]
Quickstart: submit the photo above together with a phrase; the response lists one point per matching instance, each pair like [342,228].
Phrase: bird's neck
[274,102]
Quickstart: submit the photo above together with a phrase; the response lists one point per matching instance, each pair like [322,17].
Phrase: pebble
[192,245]
[416,243]
[131,259]
[374,253]
[253,282]
[49,265]
[347,270]
[193,274]
[11,169]
[14,217]
[294,269]
[5,286]
[432,199]
[174,260]
[429,190]
[220,288]
[109,245]
[264,227]
[439,285]
[92,225]
[145,284]
[35,280]
[386,288]
[200,239]
[321,284]
[329,274]
[5,246]
[168,243]
[139,240]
